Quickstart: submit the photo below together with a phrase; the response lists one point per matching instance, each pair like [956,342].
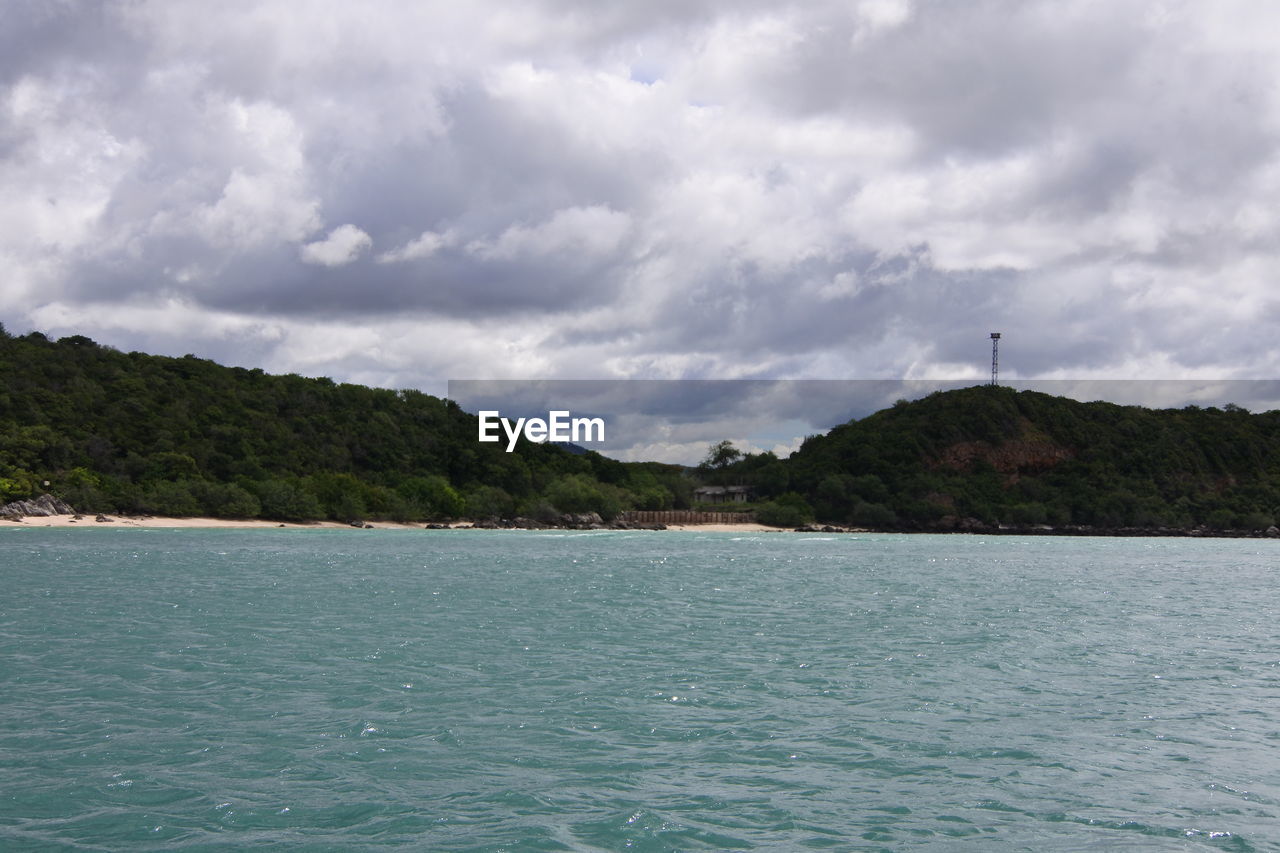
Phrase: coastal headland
[141,436]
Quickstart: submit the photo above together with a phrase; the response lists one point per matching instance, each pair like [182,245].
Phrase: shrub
[168,497]
[225,500]
[287,501]
[578,493]
[789,510]
[432,496]
[489,502]
[873,515]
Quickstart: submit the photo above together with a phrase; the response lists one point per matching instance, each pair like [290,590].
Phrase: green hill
[997,456]
[136,433]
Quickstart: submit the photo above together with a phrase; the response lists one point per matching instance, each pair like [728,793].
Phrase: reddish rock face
[1027,453]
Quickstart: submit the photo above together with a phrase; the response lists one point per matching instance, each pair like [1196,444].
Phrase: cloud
[694,189]
[576,233]
[344,244]
[424,246]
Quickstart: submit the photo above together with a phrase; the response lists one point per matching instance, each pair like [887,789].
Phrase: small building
[722,494]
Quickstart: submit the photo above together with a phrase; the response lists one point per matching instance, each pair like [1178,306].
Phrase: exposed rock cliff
[42,507]
[1031,451]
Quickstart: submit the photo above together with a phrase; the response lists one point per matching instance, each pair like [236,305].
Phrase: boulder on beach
[41,507]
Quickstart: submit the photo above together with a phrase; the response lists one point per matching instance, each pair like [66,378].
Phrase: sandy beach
[163,522]
[160,521]
[727,528]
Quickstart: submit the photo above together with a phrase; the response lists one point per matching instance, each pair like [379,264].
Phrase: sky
[403,193]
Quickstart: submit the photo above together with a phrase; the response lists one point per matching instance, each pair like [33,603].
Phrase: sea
[466,690]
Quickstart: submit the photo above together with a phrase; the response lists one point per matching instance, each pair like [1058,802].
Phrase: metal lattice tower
[995,358]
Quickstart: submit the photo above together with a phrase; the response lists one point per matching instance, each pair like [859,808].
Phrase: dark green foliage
[286,500]
[872,515]
[431,497]
[577,494]
[167,497]
[789,510]
[225,500]
[1025,459]
[117,432]
[490,502]
[720,455]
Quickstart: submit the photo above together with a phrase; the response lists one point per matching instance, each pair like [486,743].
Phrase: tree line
[996,456]
[134,433]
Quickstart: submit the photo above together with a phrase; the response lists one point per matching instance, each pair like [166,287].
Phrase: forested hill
[993,455]
[136,433]
[130,432]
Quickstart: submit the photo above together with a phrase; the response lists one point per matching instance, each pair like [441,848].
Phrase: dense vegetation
[135,433]
[998,456]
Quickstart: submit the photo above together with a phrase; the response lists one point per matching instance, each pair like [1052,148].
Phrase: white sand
[161,521]
[741,527]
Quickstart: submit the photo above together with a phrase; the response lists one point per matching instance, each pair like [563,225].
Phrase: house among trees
[722,494]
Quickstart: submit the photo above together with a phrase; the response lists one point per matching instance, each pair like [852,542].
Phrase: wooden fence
[685,516]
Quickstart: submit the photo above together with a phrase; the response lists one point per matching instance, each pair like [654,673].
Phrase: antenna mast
[995,358]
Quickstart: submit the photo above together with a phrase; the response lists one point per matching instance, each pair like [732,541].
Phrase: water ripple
[169,690]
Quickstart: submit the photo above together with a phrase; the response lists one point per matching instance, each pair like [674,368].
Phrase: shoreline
[168,522]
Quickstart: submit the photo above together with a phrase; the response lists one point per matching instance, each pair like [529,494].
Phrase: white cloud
[877,15]
[344,244]
[424,246]
[579,232]
[696,189]
[266,197]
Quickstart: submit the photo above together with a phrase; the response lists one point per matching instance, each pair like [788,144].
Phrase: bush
[87,498]
[489,502]
[1256,521]
[574,493]
[386,503]
[341,496]
[1030,513]
[540,510]
[577,493]
[775,514]
[348,508]
[287,501]
[432,496]
[14,489]
[872,515]
[789,510]
[170,498]
[225,500]
[1221,519]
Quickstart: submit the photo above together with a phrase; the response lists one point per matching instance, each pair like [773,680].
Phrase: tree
[577,493]
[286,501]
[432,496]
[489,502]
[720,455]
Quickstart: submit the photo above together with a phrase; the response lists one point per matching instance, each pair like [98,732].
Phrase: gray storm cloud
[403,193]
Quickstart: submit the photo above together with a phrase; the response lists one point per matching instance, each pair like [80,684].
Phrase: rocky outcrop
[1029,452]
[41,507]
[1009,458]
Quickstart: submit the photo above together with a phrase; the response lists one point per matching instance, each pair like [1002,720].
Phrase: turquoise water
[496,690]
